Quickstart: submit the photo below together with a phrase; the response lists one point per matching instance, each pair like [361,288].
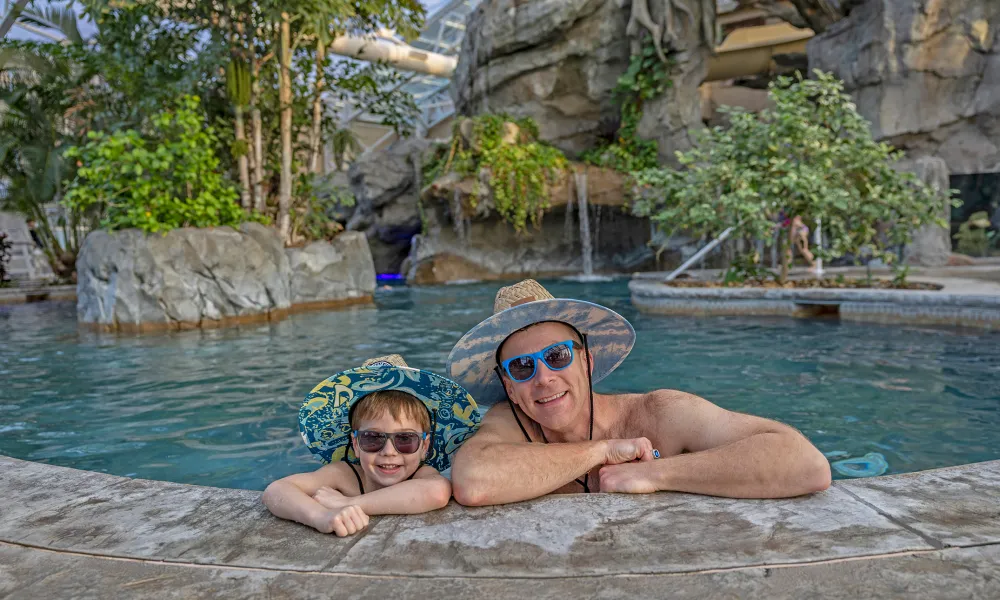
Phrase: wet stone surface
[69,533]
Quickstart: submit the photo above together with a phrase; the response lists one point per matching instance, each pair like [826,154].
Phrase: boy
[400,427]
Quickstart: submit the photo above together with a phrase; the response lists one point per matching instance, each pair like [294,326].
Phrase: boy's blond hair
[397,404]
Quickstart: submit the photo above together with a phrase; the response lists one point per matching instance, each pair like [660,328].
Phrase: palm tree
[39,95]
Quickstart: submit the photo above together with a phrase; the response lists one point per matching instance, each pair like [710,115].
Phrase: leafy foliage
[155,183]
[974,236]
[646,78]
[319,216]
[747,268]
[812,155]
[520,169]
[40,115]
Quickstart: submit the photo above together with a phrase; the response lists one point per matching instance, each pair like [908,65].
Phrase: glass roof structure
[443,32]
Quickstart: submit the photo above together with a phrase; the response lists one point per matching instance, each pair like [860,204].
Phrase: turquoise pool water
[219,407]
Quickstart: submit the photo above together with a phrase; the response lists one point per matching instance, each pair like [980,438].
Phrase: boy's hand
[331,498]
[343,522]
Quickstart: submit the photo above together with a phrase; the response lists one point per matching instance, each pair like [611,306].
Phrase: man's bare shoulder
[659,403]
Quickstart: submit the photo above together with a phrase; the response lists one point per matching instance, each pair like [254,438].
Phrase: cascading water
[586,242]
[568,227]
[586,249]
[457,215]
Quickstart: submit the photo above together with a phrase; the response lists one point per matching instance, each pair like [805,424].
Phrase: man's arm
[496,465]
[729,454]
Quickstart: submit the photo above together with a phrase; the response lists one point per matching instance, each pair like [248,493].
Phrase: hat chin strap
[590,387]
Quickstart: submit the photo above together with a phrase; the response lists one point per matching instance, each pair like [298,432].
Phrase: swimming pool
[218,407]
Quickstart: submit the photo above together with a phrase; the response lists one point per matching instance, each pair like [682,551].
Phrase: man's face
[557,400]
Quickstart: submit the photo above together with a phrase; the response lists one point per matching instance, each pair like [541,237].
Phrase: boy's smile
[388,466]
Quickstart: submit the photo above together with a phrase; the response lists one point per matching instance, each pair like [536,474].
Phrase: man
[553,434]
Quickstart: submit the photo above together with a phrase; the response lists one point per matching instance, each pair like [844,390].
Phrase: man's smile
[551,398]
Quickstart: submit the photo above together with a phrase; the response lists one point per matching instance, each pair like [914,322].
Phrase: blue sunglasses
[556,357]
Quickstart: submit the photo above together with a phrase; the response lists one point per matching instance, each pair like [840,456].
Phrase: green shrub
[812,155]
[520,172]
[646,78]
[157,182]
[974,236]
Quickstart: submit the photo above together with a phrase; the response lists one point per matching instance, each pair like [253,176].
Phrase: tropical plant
[646,78]
[974,236]
[39,111]
[521,168]
[811,154]
[155,183]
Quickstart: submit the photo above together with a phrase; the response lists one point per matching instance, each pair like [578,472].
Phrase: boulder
[386,188]
[931,244]
[331,273]
[925,73]
[185,278]
[133,281]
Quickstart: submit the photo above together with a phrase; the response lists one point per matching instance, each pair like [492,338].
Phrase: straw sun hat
[472,361]
[324,419]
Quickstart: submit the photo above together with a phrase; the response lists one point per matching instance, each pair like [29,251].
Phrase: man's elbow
[466,489]
[469,494]
[817,476]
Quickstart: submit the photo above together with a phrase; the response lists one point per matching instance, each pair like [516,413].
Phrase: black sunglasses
[405,442]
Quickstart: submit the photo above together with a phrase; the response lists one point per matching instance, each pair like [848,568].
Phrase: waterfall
[457,216]
[568,224]
[586,249]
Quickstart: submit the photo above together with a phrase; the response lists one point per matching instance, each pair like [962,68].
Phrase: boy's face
[388,466]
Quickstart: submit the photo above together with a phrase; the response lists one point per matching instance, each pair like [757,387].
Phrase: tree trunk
[257,147]
[785,249]
[285,98]
[316,135]
[241,136]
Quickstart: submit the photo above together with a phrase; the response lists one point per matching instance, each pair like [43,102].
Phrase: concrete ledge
[24,295]
[83,534]
[888,306]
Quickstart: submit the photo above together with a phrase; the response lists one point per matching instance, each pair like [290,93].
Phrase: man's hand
[343,522]
[629,478]
[625,451]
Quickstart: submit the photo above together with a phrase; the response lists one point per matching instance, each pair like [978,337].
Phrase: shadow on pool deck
[70,533]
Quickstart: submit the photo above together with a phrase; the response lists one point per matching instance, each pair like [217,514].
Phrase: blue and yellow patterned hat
[324,419]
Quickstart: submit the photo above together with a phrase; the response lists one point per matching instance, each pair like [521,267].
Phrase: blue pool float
[869,465]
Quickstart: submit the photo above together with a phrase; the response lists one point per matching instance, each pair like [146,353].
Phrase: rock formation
[325,273]
[129,280]
[386,186]
[926,74]
[558,61]
[931,244]
[462,242]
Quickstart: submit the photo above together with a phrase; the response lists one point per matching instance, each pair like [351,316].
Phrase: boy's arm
[292,498]
[427,491]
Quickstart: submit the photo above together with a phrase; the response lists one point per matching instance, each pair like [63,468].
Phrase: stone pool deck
[972,301]
[66,533]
